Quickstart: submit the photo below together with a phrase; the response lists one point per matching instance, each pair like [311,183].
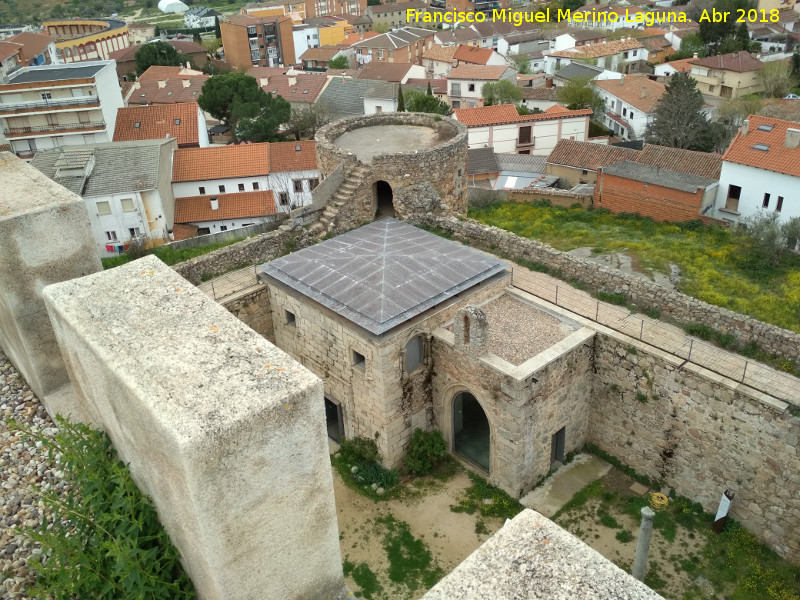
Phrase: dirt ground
[450,536]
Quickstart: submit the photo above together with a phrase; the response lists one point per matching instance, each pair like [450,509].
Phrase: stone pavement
[560,487]
[235,282]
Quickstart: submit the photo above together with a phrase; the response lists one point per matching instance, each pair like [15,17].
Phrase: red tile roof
[477,72]
[220,162]
[739,62]
[8,49]
[285,156]
[438,86]
[157,121]
[772,155]
[440,53]
[684,64]
[171,91]
[321,53]
[640,92]
[703,164]
[183,47]
[296,88]
[555,112]
[33,44]
[473,55]
[585,155]
[162,73]
[354,38]
[507,113]
[240,205]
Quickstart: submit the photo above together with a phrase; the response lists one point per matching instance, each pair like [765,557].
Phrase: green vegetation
[103,538]
[356,461]
[501,505]
[410,560]
[427,449]
[624,536]
[169,255]
[340,62]
[714,266]
[364,578]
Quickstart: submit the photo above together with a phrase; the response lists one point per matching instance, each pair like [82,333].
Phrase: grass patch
[713,266]
[502,505]
[169,255]
[624,536]
[618,299]
[410,560]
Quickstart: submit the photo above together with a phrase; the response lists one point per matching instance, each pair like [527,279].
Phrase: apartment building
[51,106]
[404,45]
[258,41]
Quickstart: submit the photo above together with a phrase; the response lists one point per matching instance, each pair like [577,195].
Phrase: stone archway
[384,200]
[471,433]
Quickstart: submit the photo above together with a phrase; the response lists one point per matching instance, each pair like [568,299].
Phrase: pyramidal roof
[382,274]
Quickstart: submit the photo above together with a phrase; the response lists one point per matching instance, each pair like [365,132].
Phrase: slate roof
[119,167]
[683,182]
[540,93]
[577,70]
[738,62]
[630,89]
[345,97]
[157,121]
[456,36]
[383,274]
[777,157]
[481,161]
[384,90]
[521,163]
[398,38]
[239,205]
[44,73]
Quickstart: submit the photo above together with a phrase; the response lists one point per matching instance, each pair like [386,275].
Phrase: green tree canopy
[416,101]
[521,62]
[580,93]
[713,33]
[156,53]
[777,78]
[679,120]
[340,62]
[263,125]
[401,101]
[502,92]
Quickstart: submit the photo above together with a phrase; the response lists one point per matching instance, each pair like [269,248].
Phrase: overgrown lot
[717,266]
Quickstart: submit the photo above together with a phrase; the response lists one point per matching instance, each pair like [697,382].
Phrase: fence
[751,373]
[231,283]
[239,233]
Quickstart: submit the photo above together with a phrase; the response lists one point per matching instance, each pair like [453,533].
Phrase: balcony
[47,129]
[438,3]
[43,105]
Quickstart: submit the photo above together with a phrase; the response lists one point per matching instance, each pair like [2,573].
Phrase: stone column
[643,546]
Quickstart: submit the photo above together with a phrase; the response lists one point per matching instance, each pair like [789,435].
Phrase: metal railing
[55,127]
[58,103]
[664,337]
[232,283]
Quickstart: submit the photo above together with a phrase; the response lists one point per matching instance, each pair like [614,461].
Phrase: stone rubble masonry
[641,291]
[422,181]
[220,428]
[253,310]
[701,434]
[532,557]
[379,400]
[44,238]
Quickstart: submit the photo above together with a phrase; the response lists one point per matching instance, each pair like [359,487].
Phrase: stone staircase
[343,195]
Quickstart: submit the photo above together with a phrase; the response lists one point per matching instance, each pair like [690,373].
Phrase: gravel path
[519,331]
[24,467]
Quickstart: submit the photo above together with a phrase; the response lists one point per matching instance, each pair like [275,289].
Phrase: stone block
[223,431]
[45,238]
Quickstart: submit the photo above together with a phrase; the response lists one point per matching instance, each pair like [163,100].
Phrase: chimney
[792,138]
[695,55]
[548,82]
[214,204]
[746,127]
[622,80]
[644,92]
[187,83]
[188,65]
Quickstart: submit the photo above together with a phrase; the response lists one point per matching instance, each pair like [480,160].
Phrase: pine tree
[430,89]
[401,103]
[217,30]
[679,120]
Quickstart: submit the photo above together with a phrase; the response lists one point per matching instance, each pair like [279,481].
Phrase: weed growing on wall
[102,538]
[713,265]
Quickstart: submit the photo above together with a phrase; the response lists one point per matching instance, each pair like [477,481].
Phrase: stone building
[397,322]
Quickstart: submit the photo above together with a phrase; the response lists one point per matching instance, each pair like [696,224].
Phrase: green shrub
[358,450]
[103,538]
[618,299]
[624,536]
[372,472]
[426,450]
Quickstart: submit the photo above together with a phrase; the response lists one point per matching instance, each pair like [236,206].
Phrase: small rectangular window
[359,360]
[134,232]
[284,198]
[202,190]
[313,183]
[471,87]
[298,185]
[111,236]
[222,189]
[103,208]
[779,206]
[255,185]
[127,205]
[290,318]
[223,228]
[241,187]
[765,203]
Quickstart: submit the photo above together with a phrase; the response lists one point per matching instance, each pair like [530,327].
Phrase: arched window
[415,353]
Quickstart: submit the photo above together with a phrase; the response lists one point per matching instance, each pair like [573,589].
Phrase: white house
[609,17]
[198,17]
[503,129]
[125,186]
[625,55]
[304,37]
[576,38]
[438,60]
[465,83]
[760,171]
[630,104]
[287,169]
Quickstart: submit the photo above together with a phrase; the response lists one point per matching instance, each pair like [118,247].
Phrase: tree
[305,121]
[776,77]
[580,93]
[690,45]
[196,38]
[572,4]
[732,113]
[795,65]
[521,62]
[217,29]
[416,101]
[231,97]
[679,120]
[429,91]
[263,125]
[713,33]
[502,92]
[156,53]
[373,2]
[762,237]
[339,62]
[401,102]
[381,27]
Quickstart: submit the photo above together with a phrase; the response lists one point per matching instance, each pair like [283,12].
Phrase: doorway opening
[470,430]
[384,200]
[557,447]
[334,421]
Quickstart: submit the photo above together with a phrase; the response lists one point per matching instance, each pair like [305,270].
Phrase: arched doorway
[470,430]
[384,200]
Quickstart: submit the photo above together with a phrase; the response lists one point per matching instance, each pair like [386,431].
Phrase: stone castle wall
[642,292]
[253,310]
[701,434]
